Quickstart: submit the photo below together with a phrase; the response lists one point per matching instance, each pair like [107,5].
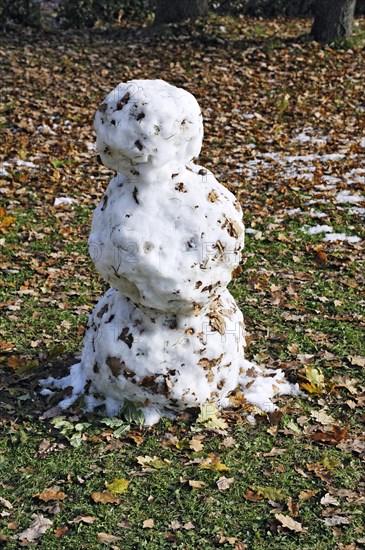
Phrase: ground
[284,130]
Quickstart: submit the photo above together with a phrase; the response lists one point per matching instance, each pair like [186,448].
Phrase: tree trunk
[174,11]
[333,19]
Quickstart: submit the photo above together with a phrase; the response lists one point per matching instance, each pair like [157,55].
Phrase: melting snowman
[167,237]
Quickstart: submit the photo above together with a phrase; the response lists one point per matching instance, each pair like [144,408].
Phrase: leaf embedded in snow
[34,532]
[290,523]
[118,486]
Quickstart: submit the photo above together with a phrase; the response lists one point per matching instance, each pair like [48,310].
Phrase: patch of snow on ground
[63,200]
[316,229]
[341,237]
[347,197]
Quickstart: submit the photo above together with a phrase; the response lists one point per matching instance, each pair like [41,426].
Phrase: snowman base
[164,363]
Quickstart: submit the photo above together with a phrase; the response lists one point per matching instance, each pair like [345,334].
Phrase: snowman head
[147,123]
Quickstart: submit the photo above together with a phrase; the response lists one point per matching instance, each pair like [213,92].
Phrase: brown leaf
[224,483]
[306,495]
[53,493]
[84,519]
[290,523]
[148,524]
[195,484]
[357,361]
[253,496]
[34,532]
[105,497]
[104,538]
[61,531]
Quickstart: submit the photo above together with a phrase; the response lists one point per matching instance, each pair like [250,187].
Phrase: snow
[341,237]
[347,197]
[167,237]
[315,230]
[63,200]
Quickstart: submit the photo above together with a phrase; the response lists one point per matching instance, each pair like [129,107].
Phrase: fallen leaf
[214,464]
[313,380]
[118,486]
[105,497]
[336,520]
[209,416]
[329,500]
[104,538]
[322,417]
[345,382]
[61,531]
[188,526]
[270,493]
[196,444]
[84,519]
[148,523]
[195,484]
[53,493]
[153,462]
[253,496]
[224,483]
[34,532]
[290,523]
[6,503]
[357,361]
[306,495]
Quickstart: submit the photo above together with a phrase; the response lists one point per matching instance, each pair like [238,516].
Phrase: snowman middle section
[168,335]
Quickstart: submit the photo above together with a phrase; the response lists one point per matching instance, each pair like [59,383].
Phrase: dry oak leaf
[224,483]
[39,526]
[105,497]
[329,500]
[107,539]
[356,360]
[84,519]
[336,520]
[53,493]
[290,523]
[196,444]
[148,523]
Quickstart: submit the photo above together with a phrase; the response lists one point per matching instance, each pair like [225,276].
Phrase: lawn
[284,130]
